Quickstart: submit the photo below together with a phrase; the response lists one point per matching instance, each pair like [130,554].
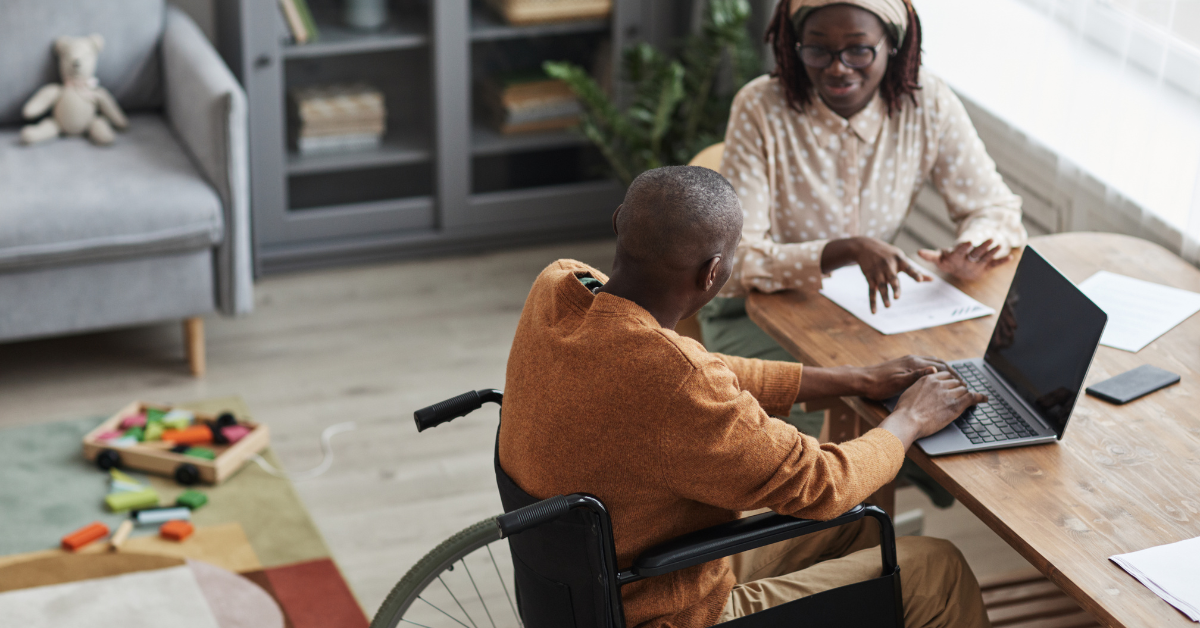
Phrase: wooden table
[1124,478]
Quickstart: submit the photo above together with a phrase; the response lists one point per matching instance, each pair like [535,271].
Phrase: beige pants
[938,586]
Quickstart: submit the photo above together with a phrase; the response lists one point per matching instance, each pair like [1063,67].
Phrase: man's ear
[616,213]
[709,274]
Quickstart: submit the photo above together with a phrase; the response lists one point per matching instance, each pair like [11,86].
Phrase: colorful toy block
[191,499]
[234,433]
[194,435]
[109,435]
[176,530]
[124,441]
[201,452]
[161,515]
[145,498]
[118,474]
[178,419]
[88,533]
[137,420]
[154,414]
[135,432]
[154,431]
[122,533]
[119,486]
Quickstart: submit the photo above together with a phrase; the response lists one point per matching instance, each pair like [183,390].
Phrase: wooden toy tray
[156,456]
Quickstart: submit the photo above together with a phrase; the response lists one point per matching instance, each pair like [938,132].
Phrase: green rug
[48,490]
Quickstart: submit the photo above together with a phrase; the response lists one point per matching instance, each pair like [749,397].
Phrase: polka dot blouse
[806,179]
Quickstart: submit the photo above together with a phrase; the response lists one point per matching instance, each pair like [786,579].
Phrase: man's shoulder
[560,269]
[557,273]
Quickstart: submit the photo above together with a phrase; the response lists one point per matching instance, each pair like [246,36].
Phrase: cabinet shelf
[393,151]
[370,207]
[487,27]
[441,181]
[401,32]
[488,141]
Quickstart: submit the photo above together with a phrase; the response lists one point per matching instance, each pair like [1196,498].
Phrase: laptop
[1033,371]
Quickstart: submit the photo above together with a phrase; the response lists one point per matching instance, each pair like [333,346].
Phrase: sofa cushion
[68,201]
[129,65]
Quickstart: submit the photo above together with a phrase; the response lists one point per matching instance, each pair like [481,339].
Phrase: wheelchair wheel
[466,581]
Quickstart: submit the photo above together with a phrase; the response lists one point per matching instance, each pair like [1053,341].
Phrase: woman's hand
[890,378]
[881,264]
[965,261]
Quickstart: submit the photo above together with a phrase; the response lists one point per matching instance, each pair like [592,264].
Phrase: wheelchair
[562,572]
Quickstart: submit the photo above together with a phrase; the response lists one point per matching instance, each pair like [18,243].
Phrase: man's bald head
[677,218]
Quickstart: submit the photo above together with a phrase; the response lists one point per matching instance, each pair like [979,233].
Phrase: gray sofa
[154,227]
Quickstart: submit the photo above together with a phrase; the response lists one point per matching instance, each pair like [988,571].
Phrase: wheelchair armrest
[741,535]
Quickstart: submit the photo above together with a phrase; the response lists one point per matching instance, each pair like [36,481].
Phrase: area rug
[254,524]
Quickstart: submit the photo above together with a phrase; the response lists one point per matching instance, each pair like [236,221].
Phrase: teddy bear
[76,101]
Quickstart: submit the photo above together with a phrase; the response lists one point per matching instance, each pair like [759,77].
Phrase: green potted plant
[679,104]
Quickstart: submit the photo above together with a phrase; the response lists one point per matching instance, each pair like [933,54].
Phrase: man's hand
[881,264]
[892,377]
[965,261]
[928,406]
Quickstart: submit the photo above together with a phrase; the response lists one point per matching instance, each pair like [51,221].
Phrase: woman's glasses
[856,57]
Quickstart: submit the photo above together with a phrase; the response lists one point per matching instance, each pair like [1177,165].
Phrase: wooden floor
[1029,600]
[367,344]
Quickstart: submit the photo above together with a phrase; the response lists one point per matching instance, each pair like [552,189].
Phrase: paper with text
[1171,571]
[920,306]
[1138,311]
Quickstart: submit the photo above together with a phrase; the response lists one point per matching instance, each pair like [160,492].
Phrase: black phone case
[1132,384]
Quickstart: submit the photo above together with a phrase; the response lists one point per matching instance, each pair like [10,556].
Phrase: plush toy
[75,103]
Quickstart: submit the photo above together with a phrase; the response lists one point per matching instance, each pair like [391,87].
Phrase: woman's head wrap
[893,14]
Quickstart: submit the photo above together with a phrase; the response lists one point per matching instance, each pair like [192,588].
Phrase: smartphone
[1132,384]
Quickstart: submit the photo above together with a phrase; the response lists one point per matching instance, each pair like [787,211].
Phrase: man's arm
[723,449]
[777,385]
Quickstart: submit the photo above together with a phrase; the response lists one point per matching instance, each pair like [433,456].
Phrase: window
[1161,37]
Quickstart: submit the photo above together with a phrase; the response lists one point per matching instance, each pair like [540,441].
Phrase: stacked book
[299,20]
[336,118]
[523,105]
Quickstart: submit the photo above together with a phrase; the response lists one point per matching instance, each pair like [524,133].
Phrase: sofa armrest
[740,535]
[206,108]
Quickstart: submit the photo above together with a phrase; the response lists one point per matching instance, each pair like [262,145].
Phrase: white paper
[1138,311]
[1171,571]
[143,599]
[920,306]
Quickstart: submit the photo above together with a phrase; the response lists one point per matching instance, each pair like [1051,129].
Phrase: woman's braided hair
[899,80]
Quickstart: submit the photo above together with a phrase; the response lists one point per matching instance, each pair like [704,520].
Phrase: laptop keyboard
[990,422]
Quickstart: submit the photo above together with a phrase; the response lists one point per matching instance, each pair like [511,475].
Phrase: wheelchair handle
[548,510]
[522,519]
[454,407]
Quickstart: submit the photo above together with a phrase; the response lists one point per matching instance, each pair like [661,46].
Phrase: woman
[827,155]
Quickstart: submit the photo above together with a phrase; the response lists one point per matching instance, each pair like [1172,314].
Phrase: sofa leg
[193,340]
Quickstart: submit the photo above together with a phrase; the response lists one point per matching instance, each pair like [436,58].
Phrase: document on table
[1171,571]
[921,305]
[1138,311]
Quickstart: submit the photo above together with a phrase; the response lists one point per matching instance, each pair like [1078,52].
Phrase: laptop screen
[1045,338]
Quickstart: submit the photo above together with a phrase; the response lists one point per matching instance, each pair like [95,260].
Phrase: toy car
[188,446]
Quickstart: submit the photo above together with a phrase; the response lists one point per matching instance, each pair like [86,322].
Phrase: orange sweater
[601,399]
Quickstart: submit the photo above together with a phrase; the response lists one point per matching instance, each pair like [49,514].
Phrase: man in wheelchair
[603,397]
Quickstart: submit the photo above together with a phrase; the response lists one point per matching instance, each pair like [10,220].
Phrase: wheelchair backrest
[560,576]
